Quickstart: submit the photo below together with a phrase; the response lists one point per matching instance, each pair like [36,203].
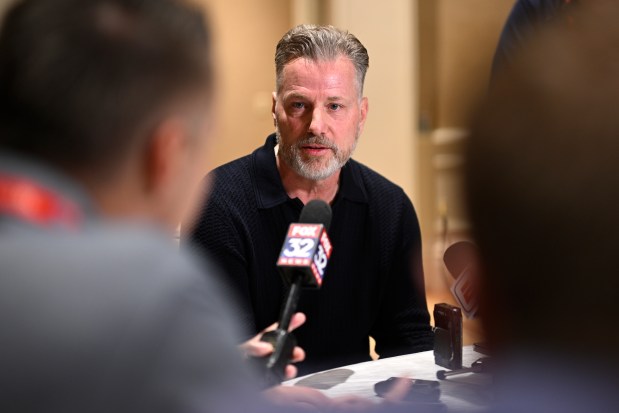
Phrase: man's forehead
[333,74]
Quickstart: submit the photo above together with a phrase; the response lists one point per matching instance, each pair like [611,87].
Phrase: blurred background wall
[245,34]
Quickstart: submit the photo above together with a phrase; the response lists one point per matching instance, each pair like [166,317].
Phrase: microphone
[307,247]
[302,263]
[461,261]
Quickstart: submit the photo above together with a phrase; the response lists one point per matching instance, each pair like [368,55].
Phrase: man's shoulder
[378,188]
[102,254]
[232,186]
[237,171]
[533,11]
[130,265]
[113,291]
[545,5]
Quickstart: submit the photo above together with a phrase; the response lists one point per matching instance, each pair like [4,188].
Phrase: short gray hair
[320,43]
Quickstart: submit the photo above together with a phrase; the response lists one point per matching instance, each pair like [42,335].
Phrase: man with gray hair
[374,283]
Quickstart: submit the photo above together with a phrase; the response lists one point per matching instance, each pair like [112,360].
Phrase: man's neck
[306,189]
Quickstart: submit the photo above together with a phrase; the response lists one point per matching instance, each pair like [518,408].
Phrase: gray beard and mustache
[314,168]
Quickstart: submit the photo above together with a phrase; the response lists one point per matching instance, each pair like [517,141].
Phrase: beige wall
[457,43]
[245,34]
[467,35]
[4,4]
[458,39]
[388,30]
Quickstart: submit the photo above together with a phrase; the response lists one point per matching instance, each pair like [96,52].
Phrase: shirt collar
[270,191]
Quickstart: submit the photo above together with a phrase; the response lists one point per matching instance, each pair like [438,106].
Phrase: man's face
[319,116]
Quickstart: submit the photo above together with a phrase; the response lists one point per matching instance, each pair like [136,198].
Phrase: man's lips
[315,149]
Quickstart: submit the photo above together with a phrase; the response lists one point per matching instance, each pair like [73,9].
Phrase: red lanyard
[29,201]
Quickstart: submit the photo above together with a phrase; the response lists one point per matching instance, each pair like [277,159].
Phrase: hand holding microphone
[255,347]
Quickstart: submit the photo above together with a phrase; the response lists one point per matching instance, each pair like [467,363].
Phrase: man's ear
[274,102]
[364,113]
[163,154]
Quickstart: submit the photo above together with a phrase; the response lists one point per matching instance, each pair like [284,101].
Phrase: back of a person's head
[543,189]
[82,81]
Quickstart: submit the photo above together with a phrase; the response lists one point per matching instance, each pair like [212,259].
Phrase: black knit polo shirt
[374,280]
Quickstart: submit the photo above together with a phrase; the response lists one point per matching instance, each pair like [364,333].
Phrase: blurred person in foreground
[543,195]
[374,280]
[104,115]
[525,20]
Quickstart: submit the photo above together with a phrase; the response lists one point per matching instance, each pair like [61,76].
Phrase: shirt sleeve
[403,322]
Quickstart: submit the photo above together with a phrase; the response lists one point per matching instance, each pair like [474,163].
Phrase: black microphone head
[316,211]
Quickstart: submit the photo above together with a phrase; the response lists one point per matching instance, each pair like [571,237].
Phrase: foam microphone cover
[316,212]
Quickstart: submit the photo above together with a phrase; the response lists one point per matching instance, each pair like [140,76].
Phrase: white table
[468,392]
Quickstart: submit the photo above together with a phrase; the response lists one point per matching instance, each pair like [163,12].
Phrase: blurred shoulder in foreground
[543,195]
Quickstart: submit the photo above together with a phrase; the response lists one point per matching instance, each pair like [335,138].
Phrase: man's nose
[318,122]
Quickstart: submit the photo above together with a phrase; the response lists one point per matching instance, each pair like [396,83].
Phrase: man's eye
[298,105]
[335,106]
